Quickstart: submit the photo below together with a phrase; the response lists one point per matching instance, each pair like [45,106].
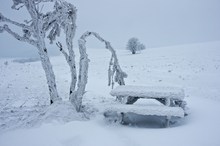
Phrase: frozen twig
[59,45]
[17,36]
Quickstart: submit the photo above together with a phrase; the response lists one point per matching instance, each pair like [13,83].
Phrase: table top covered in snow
[158,110]
[149,92]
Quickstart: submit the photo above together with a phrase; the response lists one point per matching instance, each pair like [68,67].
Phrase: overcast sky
[155,22]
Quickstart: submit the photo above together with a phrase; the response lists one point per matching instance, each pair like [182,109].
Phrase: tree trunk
[73,76]
[76,97]
[50,76]
[70,33]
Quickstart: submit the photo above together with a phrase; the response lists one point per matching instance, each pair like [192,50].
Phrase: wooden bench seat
[170,97]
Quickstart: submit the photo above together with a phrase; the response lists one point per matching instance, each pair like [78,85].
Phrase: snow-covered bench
[170,97]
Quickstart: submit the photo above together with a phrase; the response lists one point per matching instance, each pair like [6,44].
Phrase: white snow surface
[149,91]
[26,119]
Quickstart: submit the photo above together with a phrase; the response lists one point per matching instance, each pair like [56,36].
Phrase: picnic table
[171,99]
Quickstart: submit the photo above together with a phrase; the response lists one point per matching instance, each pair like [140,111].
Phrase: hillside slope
[194,67]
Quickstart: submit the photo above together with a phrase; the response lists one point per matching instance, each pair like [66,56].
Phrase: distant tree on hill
[141,47]
[134,45]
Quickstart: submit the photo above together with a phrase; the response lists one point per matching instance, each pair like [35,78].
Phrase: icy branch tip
[1,17]
[1,29]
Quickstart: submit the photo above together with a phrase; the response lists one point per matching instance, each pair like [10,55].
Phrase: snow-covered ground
[195,68]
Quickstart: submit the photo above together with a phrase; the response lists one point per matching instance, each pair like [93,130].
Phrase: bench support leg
[167,122]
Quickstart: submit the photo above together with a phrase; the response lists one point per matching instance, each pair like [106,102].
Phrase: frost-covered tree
[62,17]
[34,31]
[134,45]
[141,47]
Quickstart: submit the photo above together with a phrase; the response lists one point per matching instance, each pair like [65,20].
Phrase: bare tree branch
[114,67]
[18,8]
[1,29]
[59,45]
[5,19]
[17,36]
[1,17]
[16,3]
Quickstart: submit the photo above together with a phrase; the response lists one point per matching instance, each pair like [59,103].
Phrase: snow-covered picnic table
[171,98]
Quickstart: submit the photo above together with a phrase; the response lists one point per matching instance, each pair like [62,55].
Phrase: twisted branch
[59,45]
[114,69]
[17,36]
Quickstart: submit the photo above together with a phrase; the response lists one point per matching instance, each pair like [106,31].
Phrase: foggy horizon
[155,23]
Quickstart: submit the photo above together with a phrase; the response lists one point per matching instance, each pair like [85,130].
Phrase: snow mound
[149,92]
[27,117]
[62,112]
[142,109]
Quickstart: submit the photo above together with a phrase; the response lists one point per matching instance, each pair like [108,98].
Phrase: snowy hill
[193,67]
